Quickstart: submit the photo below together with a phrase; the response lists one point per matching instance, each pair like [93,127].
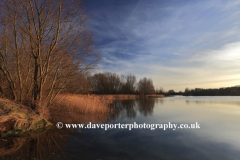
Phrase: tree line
[228,91]
[170,92]
[110,83]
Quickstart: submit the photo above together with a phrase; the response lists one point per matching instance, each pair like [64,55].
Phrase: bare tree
[78,85]
[145,86]
[130,84]
[105,83]
[44,43]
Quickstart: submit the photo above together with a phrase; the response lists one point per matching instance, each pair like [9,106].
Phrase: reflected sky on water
[218,137]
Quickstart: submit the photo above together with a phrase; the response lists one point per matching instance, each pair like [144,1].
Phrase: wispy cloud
[178,44]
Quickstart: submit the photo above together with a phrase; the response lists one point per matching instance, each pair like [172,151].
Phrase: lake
[217,138]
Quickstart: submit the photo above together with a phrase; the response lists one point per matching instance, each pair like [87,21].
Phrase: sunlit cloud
[177,44]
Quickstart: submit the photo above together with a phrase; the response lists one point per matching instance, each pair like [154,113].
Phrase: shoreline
[16,119]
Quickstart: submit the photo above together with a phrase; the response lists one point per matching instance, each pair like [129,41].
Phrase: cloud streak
[177,44]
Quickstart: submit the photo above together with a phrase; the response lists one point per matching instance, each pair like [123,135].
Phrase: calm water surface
[218,138]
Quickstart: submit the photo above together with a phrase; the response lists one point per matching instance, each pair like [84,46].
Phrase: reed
[86,104]
[121,96]
[156,96]
[72,108]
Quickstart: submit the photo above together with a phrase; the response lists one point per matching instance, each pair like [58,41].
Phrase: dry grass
[156,96]
[85,104]
[70,108]
[66,108]
[15,116]
[121,96]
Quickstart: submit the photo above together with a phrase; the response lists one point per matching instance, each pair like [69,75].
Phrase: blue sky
[176,43]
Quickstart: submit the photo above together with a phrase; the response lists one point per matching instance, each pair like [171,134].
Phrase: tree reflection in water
[49,143]
[129,108]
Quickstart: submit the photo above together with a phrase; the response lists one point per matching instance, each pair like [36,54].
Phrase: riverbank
[17,119]
[20,125]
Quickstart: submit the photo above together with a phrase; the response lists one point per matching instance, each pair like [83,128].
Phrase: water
[217,138]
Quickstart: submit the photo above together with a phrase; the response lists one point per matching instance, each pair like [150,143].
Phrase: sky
[177,43]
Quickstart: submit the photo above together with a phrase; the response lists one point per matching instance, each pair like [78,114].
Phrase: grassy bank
[66,108]
[71,108]
[16,118]
[84,104]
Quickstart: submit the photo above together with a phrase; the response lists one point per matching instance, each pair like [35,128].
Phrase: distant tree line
[229,91]
[110,83]
[171,92]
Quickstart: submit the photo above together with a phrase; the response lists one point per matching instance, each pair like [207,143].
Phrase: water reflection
[130,108]
[218,137]
[145,106]
[198,102]
[204,100]
[155,145]
[44,144]
[49,142]
[39,144]
[125,108]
